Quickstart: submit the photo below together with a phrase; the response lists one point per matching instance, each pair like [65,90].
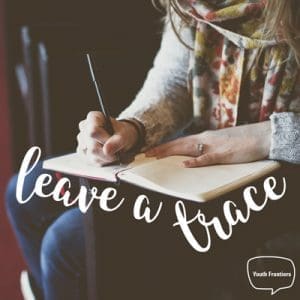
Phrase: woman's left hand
[239,144]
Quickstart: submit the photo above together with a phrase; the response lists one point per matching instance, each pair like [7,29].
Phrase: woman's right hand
[96,146]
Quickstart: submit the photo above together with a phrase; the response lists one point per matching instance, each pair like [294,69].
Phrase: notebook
[167,175]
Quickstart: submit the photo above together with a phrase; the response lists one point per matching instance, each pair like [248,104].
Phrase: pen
[92,67]
[108,124]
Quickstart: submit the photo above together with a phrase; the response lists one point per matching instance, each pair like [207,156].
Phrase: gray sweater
[164,105]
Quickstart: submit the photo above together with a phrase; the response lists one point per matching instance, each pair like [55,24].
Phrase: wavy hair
[282,21]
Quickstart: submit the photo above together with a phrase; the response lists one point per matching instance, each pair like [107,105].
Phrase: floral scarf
[235,76]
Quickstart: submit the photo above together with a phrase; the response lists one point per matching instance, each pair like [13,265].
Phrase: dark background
[124,35]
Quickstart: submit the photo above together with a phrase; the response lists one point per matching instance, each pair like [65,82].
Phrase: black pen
[92,66]
[108,124]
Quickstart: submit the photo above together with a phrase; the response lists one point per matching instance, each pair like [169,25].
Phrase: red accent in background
[10,258]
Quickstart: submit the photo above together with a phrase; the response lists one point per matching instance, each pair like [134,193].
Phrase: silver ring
[200,149]
[84,150]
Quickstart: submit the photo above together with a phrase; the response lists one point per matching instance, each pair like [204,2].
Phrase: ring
[84,150]
[200,148]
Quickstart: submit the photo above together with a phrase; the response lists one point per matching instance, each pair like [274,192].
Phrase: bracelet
[140,129]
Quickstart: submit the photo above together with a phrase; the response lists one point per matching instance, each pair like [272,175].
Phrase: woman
[236,77]
[228,68]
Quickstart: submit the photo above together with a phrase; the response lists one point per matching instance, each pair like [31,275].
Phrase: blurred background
[45,88]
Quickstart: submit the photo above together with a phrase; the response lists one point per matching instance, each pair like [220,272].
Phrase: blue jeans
[51,238]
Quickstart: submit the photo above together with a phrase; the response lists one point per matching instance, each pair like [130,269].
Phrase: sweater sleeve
[285,138]
[285,131]
[163,105]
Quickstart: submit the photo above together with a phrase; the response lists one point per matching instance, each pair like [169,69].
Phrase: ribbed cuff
[285,138]
[140,129]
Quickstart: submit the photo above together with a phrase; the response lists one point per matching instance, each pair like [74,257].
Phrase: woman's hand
[224,146]
[96,146]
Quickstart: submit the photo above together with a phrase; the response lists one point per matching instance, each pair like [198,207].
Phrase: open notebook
[167,176]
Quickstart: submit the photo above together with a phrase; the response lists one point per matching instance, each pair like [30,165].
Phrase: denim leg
[31,220]
[63,258]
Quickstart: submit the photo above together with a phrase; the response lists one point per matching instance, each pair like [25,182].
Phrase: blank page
[200,184]
[73,164]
